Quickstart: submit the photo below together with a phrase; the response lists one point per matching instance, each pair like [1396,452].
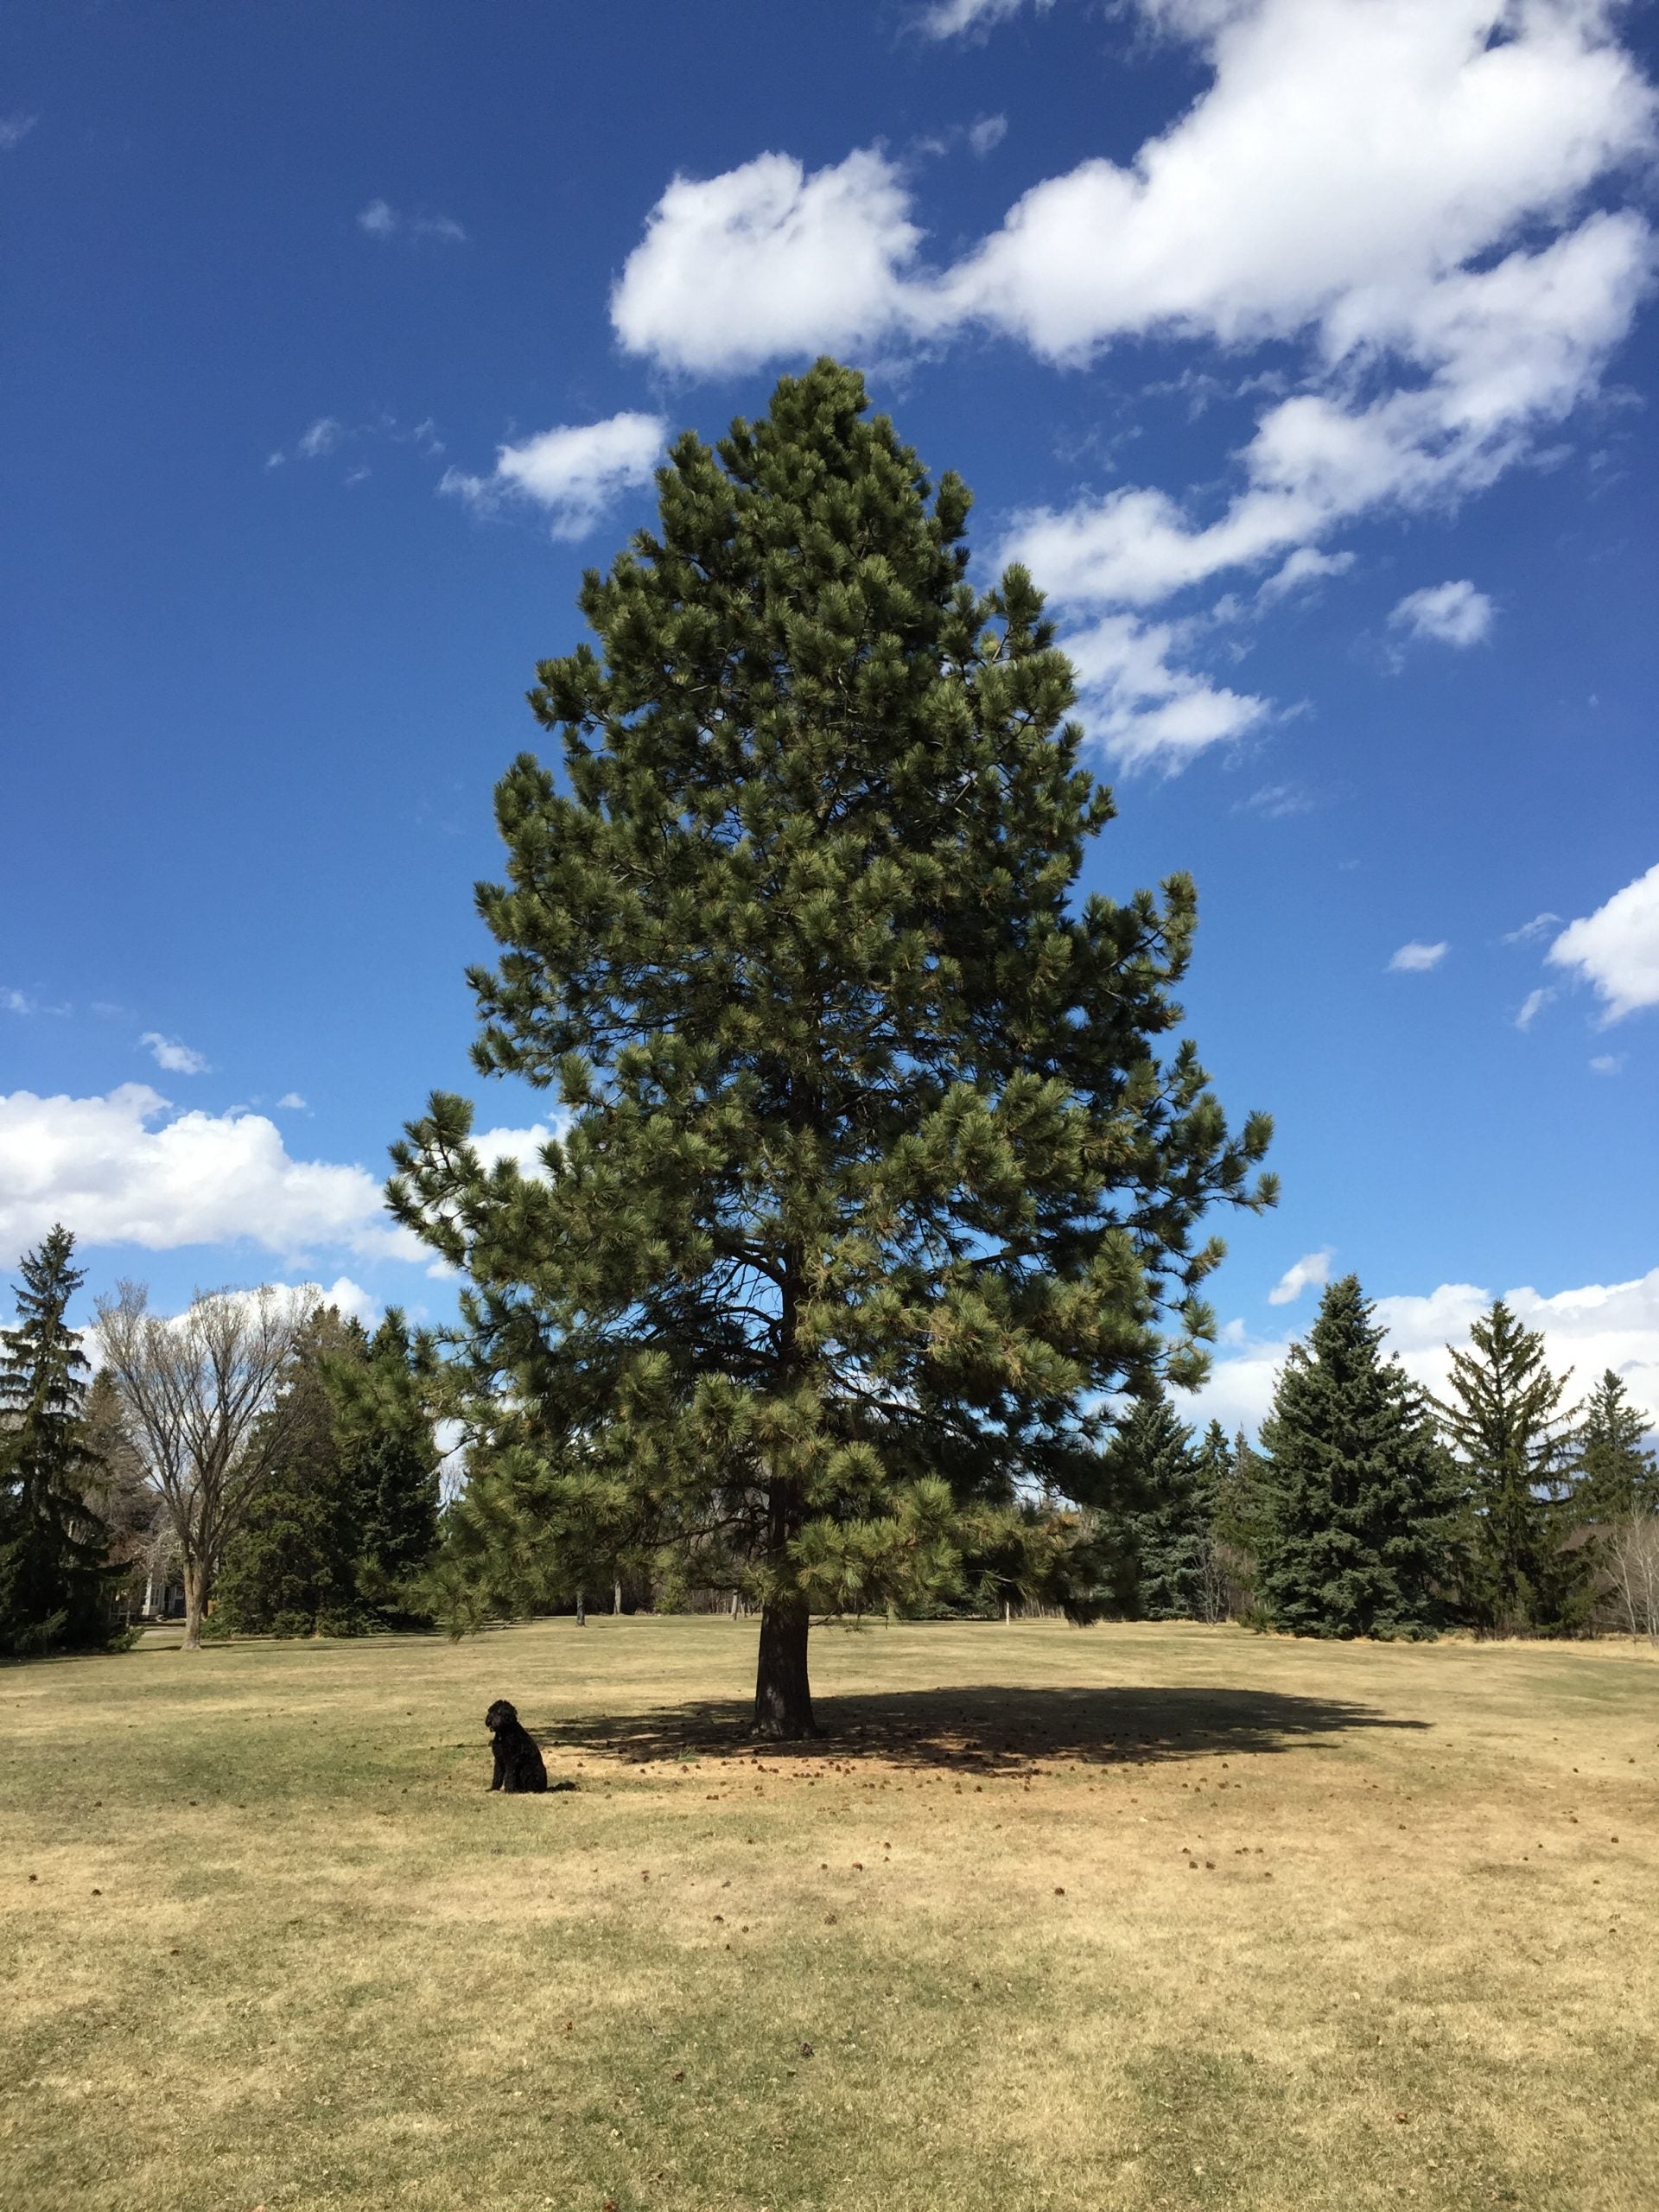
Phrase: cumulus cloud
[1147,706]
[1397,188]
[380,220]
[290,1101]
[128,1169]
[125,1169]
[574,472]
[1415,959]
[1616,948]
[1589,1330]
[169,1054]
[1453,614]
[321,438]
[1608,1063]
[1311,1272]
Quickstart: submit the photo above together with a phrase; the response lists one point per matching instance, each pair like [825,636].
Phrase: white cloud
[1415,959]
[1535,928]
[1608,1063]
[15,1001]
[1311,1272]
[1305,567]
[523,1147]
[985,136]
[951,18]
[290,1101]
[1452,613]
[14,129]
[169,1053]
[324,435]
[1276,802]
[575,471]
[125,1169]
[1532,1006]
[1602,1325]
[1616,948]
[763,260]
[1144,706]
[1384,184]
[380,220]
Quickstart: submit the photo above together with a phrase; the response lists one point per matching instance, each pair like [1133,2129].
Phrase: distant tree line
[272,1459]
[1371,1508]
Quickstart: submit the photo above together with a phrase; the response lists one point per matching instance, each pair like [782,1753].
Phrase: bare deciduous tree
[1632,1560]
[199,1394]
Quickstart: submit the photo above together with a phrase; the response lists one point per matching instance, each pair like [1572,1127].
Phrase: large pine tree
[1502,1416]
[876,1173]
[1358,1493]
[55,1591]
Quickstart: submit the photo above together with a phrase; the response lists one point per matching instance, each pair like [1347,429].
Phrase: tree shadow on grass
[984,1729]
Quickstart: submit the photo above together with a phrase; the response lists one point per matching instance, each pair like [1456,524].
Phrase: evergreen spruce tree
[390,1460]
[1157,1466]
[291,1569]
[1360,1500]
[55,1590]
[1503,1418]
[1617,1474]
[876,1174]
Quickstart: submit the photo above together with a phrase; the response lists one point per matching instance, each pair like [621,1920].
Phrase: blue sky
[1304,349]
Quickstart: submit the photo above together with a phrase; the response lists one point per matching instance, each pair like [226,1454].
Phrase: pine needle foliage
[874,1170]
[56,1592]
[1360,1499]
[1503,1419]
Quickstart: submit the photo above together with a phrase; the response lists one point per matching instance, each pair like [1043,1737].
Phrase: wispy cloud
[1451,615]
[15,128]
[1416,959]
[1532,1005]
[380,220]
[169,1053]
[1538,926]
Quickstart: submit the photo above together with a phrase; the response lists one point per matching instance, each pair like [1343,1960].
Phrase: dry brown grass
[1133,1917]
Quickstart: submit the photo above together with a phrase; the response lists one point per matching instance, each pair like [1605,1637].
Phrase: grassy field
[1128,1917]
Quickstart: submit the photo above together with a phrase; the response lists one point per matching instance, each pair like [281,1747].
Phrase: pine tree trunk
[195,1605]
[616,1595]
[783,1695]
[581,1609]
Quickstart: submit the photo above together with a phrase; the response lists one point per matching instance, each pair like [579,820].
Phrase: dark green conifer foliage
[1617,1474]
[873,1174]
[390,1462]
[1503,1418]
[1156,1464]
[291,1567]
[55,1591]
[347,1517]
[1359,1497]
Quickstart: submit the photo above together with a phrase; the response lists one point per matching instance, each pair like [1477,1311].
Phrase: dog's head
[501,1715]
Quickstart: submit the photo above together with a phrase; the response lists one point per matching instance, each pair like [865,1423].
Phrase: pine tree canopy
[1617,1474]
[1359,1497]
[54,1587]
[1502,1416]
[876,1169]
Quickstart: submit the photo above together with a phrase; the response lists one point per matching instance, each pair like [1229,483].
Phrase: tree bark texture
[783,1694]
[195,1606]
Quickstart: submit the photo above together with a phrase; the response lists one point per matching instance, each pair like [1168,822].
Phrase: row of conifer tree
[1368,1508]
[1371,1508]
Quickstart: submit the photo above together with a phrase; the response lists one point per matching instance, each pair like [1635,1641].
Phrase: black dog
[518,1764]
